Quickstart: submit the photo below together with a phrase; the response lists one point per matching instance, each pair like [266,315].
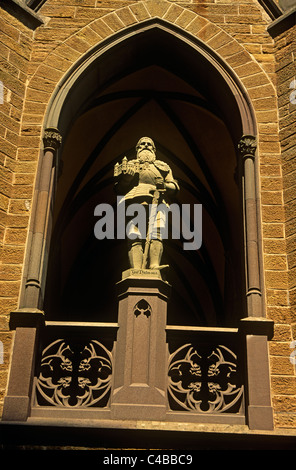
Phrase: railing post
[140,369]
[255,335]
[18,397]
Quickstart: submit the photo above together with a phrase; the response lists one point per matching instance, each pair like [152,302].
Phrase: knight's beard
[146,156]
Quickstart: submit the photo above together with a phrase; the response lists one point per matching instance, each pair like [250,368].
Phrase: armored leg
[135,254]
[156,249]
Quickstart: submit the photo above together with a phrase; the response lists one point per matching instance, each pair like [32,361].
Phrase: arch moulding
[210,43]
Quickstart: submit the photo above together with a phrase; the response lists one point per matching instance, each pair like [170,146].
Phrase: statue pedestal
[140,369]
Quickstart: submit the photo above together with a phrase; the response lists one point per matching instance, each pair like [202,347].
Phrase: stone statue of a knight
[149,182]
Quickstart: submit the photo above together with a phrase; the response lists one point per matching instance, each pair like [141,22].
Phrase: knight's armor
[144,182]
[137,181]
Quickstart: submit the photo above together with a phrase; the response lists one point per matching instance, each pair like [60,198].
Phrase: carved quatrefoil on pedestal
[142,308]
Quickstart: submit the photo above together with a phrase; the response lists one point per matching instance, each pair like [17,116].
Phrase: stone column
[52,140]
[140,369]
[29,316]
[30,308]
[256,329]
[247,148]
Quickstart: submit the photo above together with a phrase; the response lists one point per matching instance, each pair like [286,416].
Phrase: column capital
[247,145]
[52,139]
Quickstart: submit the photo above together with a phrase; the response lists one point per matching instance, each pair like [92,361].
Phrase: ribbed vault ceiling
[191,137]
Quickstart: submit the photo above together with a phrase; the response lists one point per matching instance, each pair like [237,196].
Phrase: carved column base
[139,390]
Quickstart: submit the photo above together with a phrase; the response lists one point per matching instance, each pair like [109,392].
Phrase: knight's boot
[135,254]
[155,253]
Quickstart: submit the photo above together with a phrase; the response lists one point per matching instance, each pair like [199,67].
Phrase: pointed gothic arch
[153,77]
[82,78]
[186,83]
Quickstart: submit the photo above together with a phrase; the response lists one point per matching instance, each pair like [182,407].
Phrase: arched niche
[150,79]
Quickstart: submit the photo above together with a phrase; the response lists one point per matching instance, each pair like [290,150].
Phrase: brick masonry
[32,64]
[283,379]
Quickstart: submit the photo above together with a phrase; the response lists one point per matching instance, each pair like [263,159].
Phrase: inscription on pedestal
[142,273]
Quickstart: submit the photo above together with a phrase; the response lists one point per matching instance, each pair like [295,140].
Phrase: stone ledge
[26,318]
[261,326]
[103,434]
[23,13]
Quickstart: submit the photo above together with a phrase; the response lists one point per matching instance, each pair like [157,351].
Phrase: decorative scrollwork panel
[73,375]
[203,379]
